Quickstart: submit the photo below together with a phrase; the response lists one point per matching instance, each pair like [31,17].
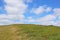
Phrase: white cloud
[38,10]
[56,11]
[48,9]
[15,11]
[5,22]
[11,19]
[47,23]
[46,18]
[41,9]
[57,23]
[30,19]
[15,6]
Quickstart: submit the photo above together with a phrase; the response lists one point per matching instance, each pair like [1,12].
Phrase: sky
[39,12]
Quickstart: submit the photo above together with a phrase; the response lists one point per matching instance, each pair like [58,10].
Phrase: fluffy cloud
[48,9]
[30,19]
[46,18]
[57,23]
[41,9]
[56,11]
[15,7]
[38,10]
[15,11]
[53,19]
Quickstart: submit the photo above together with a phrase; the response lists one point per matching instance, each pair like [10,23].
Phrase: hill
[29,32]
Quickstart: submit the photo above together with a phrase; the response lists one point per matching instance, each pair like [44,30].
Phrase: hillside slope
[29,32]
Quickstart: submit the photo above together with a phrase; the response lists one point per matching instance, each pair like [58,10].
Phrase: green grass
[29,32]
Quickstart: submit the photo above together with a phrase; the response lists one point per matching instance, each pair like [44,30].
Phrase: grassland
[29,32]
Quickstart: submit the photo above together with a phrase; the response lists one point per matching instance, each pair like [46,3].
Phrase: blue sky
[41,12]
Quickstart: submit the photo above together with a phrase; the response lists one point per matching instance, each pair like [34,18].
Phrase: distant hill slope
[29,32]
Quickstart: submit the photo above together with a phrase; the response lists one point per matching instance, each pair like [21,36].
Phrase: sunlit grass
[29,32]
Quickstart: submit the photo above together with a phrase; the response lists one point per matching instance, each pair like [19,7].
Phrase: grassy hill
[29,32]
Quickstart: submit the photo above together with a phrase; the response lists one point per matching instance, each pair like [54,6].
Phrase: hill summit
[29,32]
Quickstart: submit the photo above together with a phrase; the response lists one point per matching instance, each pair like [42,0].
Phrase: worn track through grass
[29,32]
